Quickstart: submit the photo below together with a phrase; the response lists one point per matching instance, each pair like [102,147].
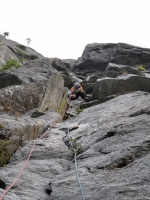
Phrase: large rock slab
[65,67]
[34,71]
[114,163]
[114,70]
[11,50]
[116,150]
[18,99]
[15,130]
[55,160]
[122,84]
[55,97]
[96,57]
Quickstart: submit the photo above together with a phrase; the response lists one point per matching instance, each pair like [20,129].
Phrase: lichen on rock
[5,152]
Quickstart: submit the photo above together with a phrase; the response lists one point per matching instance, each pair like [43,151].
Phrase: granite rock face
[10,50]
[96,57]
[114,70]
[122,84]
[111,132]
[114,163]
[26,93]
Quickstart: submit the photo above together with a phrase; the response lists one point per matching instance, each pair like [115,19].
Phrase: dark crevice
[103,152]
[2,184]
[93,132]
[147,141]
[89,170]
[141,112]
[12,50]
[120,163]
[108,134]
[136,153]
[77,138]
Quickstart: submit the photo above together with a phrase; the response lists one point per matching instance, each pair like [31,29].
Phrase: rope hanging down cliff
[32,151]
[76,166]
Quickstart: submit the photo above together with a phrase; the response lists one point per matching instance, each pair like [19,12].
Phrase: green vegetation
[5,152]
[9,64]
[76,147]
[1,127]
[21,60]
[32,56]
[141,68]
[21,54]
[79,110]
[6,34]
[61,107]
[21,47]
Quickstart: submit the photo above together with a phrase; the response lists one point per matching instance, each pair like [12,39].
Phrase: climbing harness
[76,166]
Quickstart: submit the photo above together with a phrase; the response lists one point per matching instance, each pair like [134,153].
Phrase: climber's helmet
[77,85]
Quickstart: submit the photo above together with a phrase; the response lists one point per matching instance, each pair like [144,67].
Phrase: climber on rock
[77,91]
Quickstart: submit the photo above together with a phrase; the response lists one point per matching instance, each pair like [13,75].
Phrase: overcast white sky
[62,28]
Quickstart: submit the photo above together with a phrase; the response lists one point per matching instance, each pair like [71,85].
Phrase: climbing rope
[76,166]
[32,151]
[30,154]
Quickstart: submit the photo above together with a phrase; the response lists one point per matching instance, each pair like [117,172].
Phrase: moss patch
[5,152]
[79,110]
[141,68]
[1,127]
[62,106]
[76,147]
[32,56]
[21,46]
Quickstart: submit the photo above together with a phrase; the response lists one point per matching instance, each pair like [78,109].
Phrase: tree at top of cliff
[28,41]
[6,34]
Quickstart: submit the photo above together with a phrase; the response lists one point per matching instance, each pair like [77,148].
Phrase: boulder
[114,70]
[122,84]
[65,68]
[59,65]
[96,57]
[69,63]
[89,83]
[88,87]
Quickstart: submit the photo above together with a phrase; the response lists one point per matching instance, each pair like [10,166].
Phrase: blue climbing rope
[76,167]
